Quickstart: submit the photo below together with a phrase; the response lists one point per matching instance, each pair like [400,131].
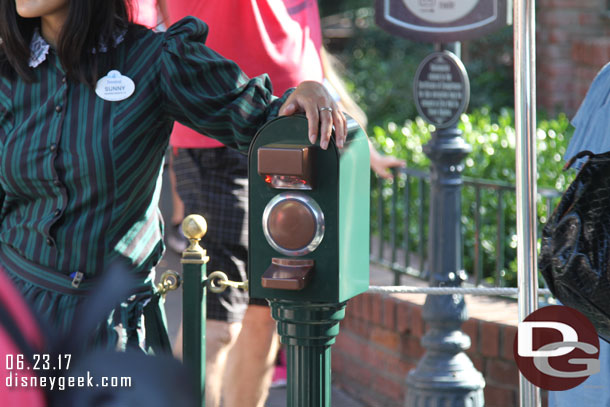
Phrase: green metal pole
[308,330]
[194,261]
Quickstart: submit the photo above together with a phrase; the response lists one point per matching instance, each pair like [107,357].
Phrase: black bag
[575,252]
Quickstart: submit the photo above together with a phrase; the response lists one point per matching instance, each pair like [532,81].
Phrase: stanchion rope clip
[218,281]
[170,280]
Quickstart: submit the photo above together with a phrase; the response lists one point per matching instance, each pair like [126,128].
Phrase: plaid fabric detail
[213,182]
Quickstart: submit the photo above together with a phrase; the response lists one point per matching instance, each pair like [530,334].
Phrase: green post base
[194,275]
[194,315]
[308,330]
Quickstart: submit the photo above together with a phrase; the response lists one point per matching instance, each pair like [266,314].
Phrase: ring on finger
[326,109]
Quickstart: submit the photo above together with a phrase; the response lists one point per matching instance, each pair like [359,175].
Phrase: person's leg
[220,338]
[212,183]
[174,238]
[177,348]
[177,204]
[251,361]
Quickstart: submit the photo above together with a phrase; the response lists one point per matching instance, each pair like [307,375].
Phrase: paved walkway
[277,398]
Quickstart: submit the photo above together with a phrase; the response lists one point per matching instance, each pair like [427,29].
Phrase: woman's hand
[313,99]
[382,164]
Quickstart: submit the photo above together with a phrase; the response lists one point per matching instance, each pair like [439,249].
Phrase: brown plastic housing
[287,159]
[288,274]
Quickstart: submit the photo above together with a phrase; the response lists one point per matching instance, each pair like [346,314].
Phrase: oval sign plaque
[440,11]
[441,89]
[442,20]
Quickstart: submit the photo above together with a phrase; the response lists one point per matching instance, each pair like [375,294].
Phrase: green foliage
[328,8]
[379,72]
[492,138]
[380,67]
[489,63]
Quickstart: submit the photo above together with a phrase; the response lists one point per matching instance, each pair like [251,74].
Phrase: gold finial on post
[194,228]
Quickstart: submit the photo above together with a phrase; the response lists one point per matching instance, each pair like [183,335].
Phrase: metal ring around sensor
[314,209]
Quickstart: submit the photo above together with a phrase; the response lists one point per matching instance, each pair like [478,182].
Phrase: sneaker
[175,240]
[279,381]
[279,374]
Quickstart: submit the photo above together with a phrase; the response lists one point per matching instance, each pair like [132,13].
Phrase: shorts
[213,182]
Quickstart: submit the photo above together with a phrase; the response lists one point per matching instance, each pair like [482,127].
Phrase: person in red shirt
[146,12]
[283,39]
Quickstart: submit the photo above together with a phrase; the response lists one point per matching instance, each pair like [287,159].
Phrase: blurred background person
[283,39]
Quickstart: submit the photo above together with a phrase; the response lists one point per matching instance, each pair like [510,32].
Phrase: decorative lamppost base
[445,375]
[435,397]
[308,330]
[445,385]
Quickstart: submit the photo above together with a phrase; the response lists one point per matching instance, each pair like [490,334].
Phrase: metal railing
[399,222]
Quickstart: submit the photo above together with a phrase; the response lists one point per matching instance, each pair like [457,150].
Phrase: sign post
[445,375]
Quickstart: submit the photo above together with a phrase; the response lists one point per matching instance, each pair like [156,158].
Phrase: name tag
[114,87]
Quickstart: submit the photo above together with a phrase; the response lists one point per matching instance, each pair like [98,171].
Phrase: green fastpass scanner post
[309,242]
[308,214]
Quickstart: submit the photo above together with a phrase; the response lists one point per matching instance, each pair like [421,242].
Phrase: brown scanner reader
[288,274]
[287,160]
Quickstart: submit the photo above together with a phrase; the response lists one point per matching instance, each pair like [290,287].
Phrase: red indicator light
[286,182]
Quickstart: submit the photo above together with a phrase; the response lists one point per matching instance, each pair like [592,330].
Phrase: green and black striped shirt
[79,175]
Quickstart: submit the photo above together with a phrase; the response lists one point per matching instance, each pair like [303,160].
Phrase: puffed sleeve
[209,93]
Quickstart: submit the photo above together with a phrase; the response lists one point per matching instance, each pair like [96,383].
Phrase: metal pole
[525,127]
[445,375]
[308,330]
[194,261]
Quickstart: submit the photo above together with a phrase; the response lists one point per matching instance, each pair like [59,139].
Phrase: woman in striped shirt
[87,103]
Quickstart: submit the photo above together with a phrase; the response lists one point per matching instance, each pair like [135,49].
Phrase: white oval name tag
[114,87]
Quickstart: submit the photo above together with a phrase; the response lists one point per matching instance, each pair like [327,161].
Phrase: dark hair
[89,23]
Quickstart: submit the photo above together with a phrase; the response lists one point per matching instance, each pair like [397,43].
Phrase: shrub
[379,68]
[492,137]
